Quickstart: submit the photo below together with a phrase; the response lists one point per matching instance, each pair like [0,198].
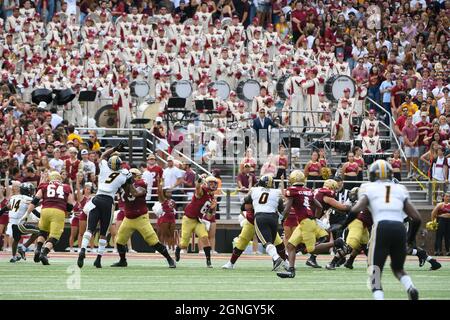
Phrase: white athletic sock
[378,295]
[429,258]
[86,239]
[272,251]
[102,246]
[406,282]
[414,252]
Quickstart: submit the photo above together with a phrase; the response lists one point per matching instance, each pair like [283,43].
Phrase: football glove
[130,178]
[120,146]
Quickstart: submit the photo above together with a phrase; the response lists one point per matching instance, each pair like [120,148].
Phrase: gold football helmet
[212,183]
[136,173]
[297,177]
[331,184]
[54,176]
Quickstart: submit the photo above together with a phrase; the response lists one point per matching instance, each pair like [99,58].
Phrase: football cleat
[14,259]
[22,253]
[208,263]
[287,274]
[98,262]
[44,259]
[413,294]
[172,264]
[120,263]
[37,253]
[277,263]
[435,264]
[311,262]
[81,257]
[330,266]
[422,255]
[177,254]
[228,265]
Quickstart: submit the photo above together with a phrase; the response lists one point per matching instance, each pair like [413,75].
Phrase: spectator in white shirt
[173,180]
[19,155]
[56,119]
[56,163]
[87,165]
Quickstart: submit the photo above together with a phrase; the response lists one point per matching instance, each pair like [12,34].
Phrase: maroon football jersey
[135,207]
[291,220]
[55,194]
[319,194]
[198,207]
[366,218]
[303,200]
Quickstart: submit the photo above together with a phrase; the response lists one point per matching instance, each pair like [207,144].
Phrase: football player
[17,207]
[247,234]
[387,201]
[57,199]
[267,202]
[137,219]
[326,197]
[303,201]
[203,202]
[100,208]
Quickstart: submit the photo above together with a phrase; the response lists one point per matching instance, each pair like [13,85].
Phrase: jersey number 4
[53,191]
[16,205]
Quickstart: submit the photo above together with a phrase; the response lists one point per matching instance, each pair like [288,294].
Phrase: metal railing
[390,127]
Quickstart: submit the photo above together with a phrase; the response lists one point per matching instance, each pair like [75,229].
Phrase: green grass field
[148,277]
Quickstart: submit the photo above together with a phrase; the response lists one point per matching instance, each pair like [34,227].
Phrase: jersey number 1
[388,194]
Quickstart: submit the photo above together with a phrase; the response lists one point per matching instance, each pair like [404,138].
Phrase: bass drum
[106,117]
[148,111]
[248,89]
[181,89]
[282,86]
[139,89]
[334,87]
[223,88]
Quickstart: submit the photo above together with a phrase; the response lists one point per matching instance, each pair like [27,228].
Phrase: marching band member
[341,67]
[224,70]
[323,106]
[243,70]
[180,66]
[343,122]
[311,85]
[360,96]
[371,143]
[370,122]
[122,103]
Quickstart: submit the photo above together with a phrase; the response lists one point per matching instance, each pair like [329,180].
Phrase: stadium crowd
[396,53]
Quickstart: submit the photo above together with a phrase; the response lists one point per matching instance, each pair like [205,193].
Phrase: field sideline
[148,277]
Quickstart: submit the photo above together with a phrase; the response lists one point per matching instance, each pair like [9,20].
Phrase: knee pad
[52,240]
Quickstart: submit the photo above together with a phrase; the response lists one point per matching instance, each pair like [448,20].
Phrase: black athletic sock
[39,246]
[281,250]
[236,254]
[122,250]
[162,250]
[351,259]
[207,252]
[45,251]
